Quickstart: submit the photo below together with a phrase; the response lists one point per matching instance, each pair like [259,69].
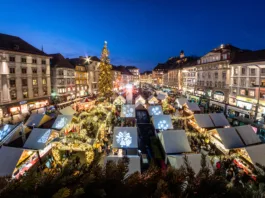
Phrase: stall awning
[37,139]
[67,111]
[248,135]
[61,121]
[174,141]
[162,122]
[128,111]
[119,100]
[134,162]
[257,154]
[125,137]
[219,119]
[203,120]
[230,138]
[177,161]
[155,110]
[36,120]
[9,158]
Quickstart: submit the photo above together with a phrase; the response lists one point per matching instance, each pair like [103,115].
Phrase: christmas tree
[105,75]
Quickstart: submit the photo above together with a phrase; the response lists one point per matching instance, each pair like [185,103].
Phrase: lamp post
[257,105]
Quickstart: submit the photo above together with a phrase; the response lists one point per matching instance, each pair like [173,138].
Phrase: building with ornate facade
[136,74]
[146,77]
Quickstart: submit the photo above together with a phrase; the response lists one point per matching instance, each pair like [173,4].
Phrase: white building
[25,76]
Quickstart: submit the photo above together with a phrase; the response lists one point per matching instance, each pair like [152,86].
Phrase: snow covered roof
[257,154]
[219,119]
[194,160]
[119,100]
[155,110]
[203,120]
[37,139]
[174,141]
[162,122]
[134,162]
[125,137]
[36,120]
[61,121]
[9,156]
[67,111]
[128,111]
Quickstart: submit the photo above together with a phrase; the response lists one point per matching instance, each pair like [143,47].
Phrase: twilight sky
[139,32]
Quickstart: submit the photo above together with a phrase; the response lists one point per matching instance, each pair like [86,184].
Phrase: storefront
[14,110]
[24,107]
[200,92]
[217,106]
[37,104]
[237,112]
[232,100]
[219,96]
[204,102]
[195,99]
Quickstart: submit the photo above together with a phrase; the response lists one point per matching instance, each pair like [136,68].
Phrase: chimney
[181,54]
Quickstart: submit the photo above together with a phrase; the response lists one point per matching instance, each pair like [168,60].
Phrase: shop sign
[246,99]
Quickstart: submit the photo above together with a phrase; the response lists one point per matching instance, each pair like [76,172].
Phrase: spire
[42,48]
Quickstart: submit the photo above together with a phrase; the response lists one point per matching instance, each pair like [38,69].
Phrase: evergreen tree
[105,76]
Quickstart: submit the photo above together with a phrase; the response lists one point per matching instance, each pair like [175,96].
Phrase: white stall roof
[174,141]
[61,121]
[9,157]
[119,100]
[257,154]
[193,106]
[219,119]
[36,120]
[67,111]
[128,111]
[125,137]
[155,110]
[248,134]
[177,161]
[162,122]
[134,163]
[203,120]
[37,139]
[230,138]
[5,130]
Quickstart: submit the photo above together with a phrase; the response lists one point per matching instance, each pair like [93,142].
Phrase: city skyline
[142,34]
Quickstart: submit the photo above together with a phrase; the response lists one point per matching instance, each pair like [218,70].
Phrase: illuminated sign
[124,139]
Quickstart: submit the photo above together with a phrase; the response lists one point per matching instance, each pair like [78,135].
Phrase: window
[223,84]
[60,72]
[251,93]
[235,71]
[263,70]
[242,92]
[252,81]
[25,93]
[43,62]
[44,89]
[12,82]
[23,60]
[235,81]
[34,61]
[61,81]
[35,92]
[77,82]
[13,95]
[243,71]
[224,75]
[73,88]
[73,81]
[24,82]
[11,70]
[69,88]
[252,71]
[209,75]
[68,81]
[216,75]
[44,82]
[12,59]
[34,70]
[234,91]
[34,82]
[24,70]
[224,56]
[43,70]
[243,82]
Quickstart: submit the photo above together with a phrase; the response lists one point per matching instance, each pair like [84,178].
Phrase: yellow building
[81,81]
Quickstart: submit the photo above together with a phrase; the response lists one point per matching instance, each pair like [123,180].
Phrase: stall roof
[203,120]
[193,106]
[174,141]
[67,111]
[134,163]
[9,157]
[119,100]
[5,130]
[61,121]
[194,159]
[182,101]
[162,122]
[152,100]
[161,96]
[230,138]
[140,99]
[155,110]
[36,120]
[248,134]
[125,137]
[257,154]
[128,111]
[37,139]
[219,119]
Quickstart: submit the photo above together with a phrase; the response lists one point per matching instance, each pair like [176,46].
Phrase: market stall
[152,100]
[139,100]
[128,111]
[219,120]
[161,96]
[256,154]
[120,100]
[36,120]
[67,111]
[155,110]
[162,122]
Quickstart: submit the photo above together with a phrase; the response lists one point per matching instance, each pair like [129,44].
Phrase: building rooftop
[248,56]
[225,47]
[131,67]
[146,73]
[60,62]
[14,43]
[81,60]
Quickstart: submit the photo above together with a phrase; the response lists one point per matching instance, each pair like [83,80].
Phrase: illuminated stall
[128,111]
[188,107]
[152,100]
[162,122]
[61,122]
[155,110]
[139,100]
[67,111]
[120,100]
[8,132]
[36,120]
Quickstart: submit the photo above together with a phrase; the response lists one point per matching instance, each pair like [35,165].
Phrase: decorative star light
[127,111]
[61,123]
[124,139]
[162,125]
[156,111]
[43,139]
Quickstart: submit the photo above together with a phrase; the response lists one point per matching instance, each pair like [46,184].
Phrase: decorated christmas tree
[105,75]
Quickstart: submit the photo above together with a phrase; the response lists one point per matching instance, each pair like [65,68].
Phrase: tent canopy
[230,138]
[219,119]
[61,121]
[194,159]
[5,130]
[128,111]
[162,122]
[36,120]
[67,111]
[125,137]
[37,139]
[174,141]
[134,162]
[257,154]
[155,110]
[248,135]
[203,120]
[9,156]
[119,100]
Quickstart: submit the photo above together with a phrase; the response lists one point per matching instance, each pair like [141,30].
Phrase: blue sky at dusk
[139,32]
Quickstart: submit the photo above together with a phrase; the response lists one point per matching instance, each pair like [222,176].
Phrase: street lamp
[257,105]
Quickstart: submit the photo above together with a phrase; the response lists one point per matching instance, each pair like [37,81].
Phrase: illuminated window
[44,82]
[251,93]
[25,93]
[242,92]
[34,81]
[12,70]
